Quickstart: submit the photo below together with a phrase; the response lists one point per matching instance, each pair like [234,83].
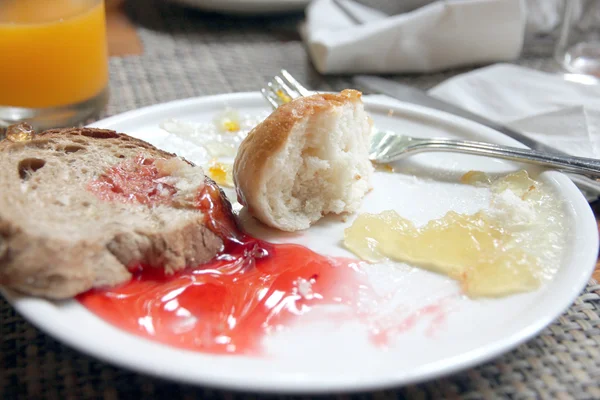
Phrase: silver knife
[416,96]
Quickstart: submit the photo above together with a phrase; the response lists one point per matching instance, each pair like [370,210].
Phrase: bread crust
[269,137]
[56,267]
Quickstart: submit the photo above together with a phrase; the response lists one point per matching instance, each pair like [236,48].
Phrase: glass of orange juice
[53,61]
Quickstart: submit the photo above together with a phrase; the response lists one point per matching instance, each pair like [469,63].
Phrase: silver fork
[387,147]
[282,86]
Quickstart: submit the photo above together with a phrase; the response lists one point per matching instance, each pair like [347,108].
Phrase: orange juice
[53,52]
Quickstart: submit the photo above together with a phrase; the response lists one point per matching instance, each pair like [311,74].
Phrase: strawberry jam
[135,180]
[250,290]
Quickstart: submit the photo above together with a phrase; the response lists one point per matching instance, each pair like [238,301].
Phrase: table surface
[162,52]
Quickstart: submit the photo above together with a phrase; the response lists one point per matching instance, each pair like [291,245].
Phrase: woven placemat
[188,53]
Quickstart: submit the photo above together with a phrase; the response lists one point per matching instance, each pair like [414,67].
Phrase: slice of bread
[80,206]
[307,159]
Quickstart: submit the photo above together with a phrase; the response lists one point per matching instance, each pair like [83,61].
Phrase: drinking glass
[54,61]
[578,46]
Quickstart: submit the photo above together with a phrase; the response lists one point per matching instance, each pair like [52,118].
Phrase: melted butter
[227,121]
[487,252]
[221,173]
[283,97]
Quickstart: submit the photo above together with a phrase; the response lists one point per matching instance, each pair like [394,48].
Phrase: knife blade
[413,95]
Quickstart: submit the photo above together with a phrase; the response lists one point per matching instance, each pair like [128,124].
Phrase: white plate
[320,359]
[247,7]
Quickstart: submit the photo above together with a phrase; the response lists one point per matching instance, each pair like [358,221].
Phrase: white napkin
[439,35]
[555,111]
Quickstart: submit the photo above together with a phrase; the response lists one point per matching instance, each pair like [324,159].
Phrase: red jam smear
[251,289]
[383,331]
[135,180]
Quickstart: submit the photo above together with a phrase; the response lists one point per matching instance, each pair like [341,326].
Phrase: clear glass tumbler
[578,46]
[54,66]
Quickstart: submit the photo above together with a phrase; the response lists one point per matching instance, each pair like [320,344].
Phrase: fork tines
[282,89]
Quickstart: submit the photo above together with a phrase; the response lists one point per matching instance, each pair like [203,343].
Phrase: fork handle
[578,165]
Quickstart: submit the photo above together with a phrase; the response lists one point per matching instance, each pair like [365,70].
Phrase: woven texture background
[189,53]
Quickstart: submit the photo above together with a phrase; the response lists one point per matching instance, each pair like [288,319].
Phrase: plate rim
[296,385]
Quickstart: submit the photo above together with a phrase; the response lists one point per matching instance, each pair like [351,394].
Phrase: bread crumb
[22,132]
[304,288]
[384,167]
[507,206]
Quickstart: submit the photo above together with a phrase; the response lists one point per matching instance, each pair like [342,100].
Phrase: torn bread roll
[307,159]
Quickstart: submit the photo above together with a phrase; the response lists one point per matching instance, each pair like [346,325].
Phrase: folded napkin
[353,38]
[549,108]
